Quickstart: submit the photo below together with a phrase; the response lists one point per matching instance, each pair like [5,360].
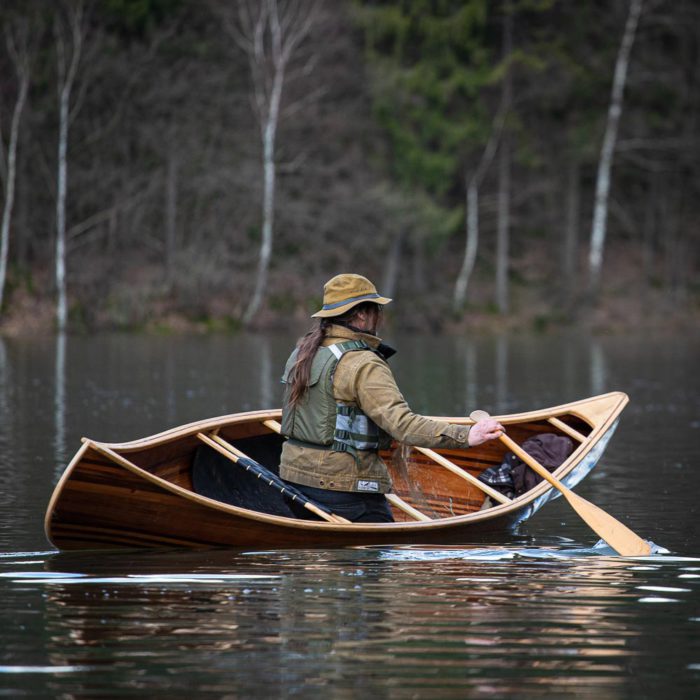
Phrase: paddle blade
[625,542]
[618,536]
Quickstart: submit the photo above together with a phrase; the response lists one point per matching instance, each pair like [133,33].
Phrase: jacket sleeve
[368,381]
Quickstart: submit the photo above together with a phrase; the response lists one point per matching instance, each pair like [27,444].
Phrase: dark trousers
[356,507]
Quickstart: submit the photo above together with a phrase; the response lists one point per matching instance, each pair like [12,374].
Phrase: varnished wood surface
[148,501]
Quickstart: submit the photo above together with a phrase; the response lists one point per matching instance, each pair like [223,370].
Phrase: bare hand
[484,430]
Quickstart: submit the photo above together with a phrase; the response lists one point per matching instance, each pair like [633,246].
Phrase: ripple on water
[664,589]
[47,669]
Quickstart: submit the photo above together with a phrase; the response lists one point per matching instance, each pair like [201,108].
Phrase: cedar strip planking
[102,503]
[125,536]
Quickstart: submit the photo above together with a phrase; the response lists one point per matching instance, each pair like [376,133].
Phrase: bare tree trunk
[472,214]
[269,32]
[268,210]
[474,182]
[21,60]
[472,226]
[503,229]
[602,191]
[62,187]
[67,70]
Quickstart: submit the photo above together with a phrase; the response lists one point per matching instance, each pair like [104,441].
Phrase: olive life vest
[318,419]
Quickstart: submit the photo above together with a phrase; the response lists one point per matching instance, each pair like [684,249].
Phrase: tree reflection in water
[362,620]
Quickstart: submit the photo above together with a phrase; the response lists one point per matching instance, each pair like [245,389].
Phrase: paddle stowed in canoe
[237,457]
[149,492]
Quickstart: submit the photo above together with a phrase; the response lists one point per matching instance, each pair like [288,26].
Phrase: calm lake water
[543,611]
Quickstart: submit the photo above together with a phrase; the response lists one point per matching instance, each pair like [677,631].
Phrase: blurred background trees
[447,149]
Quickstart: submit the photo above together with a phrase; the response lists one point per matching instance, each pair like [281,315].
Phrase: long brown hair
[298,379]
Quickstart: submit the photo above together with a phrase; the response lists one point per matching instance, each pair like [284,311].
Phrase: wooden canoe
[147,493]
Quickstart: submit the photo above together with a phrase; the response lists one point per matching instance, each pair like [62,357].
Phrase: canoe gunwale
[275,413]
[617,401]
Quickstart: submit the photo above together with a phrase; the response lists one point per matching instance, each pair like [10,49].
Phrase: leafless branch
[303,102]
[294,165]
[134,77]
[68,68]
[660,144]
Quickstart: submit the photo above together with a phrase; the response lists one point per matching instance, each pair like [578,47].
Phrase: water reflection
[5,408]
[471,382]
[170,369]
[268,389]
[363,621]
[411,622]
[502,374]
[60,403]
[598,370]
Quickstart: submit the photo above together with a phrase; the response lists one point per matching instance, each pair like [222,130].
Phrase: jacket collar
[336,332]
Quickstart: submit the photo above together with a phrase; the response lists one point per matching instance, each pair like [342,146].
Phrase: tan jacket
[364,379]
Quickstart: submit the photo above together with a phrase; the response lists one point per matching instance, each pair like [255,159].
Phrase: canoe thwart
[399,503]
[566,428]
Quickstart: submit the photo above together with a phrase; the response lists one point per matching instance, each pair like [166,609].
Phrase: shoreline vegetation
[185,166]
[152,309]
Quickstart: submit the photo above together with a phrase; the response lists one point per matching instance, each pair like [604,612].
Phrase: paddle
[442,461]
[618,536]
[270,478]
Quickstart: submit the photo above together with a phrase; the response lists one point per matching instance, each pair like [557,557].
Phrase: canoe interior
[422,483]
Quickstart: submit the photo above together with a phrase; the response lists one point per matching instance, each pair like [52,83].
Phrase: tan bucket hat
[342,292]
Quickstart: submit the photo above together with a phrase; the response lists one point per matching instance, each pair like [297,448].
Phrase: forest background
[187,165]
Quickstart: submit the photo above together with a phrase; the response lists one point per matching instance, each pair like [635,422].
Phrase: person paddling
[342,405]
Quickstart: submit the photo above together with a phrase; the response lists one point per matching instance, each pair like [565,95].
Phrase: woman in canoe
[342,405]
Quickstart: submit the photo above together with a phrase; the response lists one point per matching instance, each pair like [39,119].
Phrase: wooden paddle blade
[618,536]
[625,542]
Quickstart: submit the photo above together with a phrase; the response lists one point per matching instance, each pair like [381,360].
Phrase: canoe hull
[140,494]
[126,512]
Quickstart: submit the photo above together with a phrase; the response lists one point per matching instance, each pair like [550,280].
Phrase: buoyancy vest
[318,419]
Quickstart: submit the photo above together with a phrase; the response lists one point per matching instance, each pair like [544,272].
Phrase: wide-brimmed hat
[344,291]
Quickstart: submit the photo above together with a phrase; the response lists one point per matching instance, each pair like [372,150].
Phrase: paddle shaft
[532,463]
[235,455]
